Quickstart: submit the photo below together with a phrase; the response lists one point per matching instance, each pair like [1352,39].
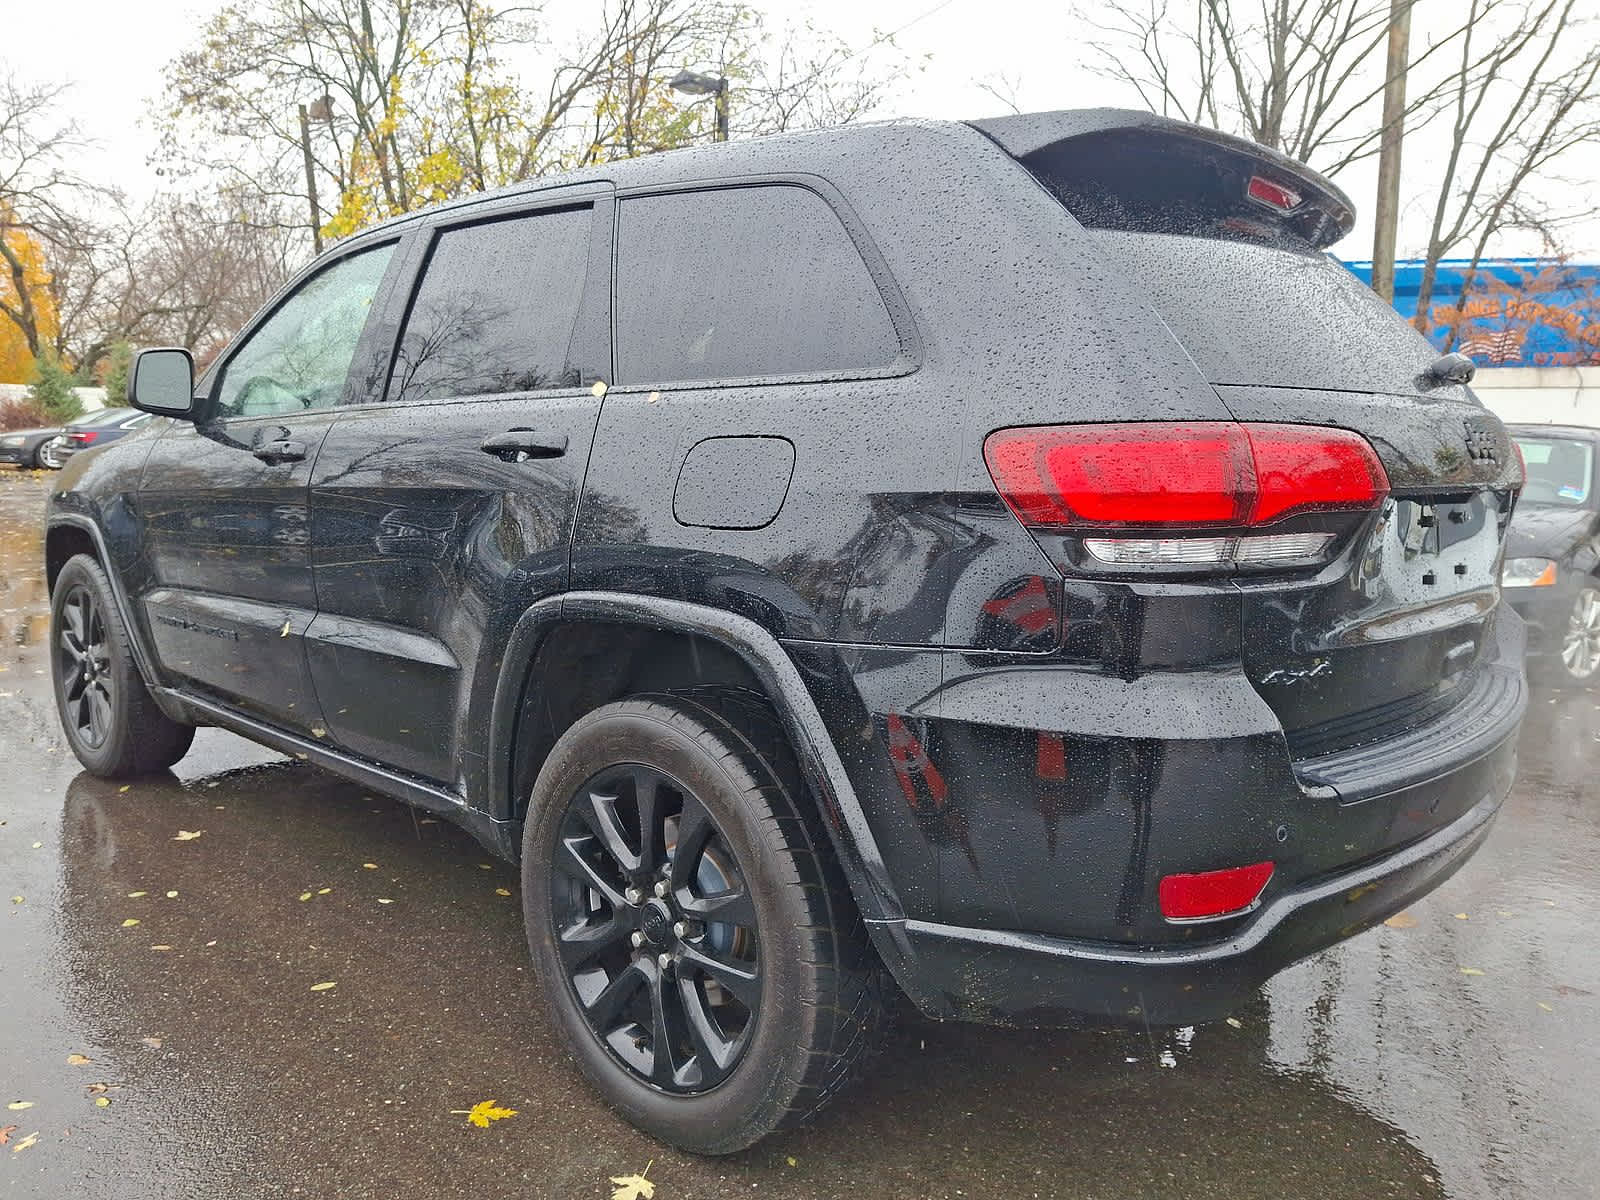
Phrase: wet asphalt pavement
[1456,1056]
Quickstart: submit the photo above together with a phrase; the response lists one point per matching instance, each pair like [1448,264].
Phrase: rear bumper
[1018,978]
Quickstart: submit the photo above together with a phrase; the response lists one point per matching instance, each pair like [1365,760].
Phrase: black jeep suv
[1007,560]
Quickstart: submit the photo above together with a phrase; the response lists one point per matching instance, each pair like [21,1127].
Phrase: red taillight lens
[1212,893]
[1205,474]
[82,436]
[1273,195]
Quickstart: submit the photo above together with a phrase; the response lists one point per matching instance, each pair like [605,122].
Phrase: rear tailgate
[1224,240]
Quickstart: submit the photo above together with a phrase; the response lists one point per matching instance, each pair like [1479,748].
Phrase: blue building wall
[1522,312]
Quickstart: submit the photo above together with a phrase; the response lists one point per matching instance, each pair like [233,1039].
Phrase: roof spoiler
[1331,213]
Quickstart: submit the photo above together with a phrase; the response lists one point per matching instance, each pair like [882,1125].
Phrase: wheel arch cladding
[708,646]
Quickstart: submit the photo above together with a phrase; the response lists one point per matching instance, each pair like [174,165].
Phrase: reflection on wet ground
[1381,1069]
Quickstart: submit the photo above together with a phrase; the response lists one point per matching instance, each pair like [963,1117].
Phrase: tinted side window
[496,310]
[743,281]
[299,357]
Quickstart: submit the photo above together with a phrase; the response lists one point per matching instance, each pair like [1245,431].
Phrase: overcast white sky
[113,52]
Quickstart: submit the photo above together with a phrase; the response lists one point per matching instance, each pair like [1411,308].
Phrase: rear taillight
[1197,493]
[1273,195]
[82,437]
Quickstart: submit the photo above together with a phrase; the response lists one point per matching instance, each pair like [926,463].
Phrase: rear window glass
[1249,313]
[496,309]
[739,282]
[1560,470]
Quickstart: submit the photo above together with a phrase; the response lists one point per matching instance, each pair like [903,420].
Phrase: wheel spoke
[647,796]
[667,1028]
[742,980]
[581,942]
[714,1052]
[599,813]
[99,713]
[608,1008]
[694,831]
[570,861]
[725,908]
[71,645]
[76,626]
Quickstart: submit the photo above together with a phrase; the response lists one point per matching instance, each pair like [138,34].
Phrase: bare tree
[1529,96]
[1300,76]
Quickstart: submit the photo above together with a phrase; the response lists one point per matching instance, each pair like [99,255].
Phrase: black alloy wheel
[83,665]
[698,946]
[656,929]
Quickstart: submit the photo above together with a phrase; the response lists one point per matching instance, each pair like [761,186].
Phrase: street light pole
[1386,211]
[311,180]
[692,83]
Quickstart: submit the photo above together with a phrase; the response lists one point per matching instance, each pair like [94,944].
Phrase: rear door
[1226,243]
[230,593]
[442,505]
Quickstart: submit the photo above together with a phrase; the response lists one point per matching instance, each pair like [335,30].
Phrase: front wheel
[697,944]
[111,720]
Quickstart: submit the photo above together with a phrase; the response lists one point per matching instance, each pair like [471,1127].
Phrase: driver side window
[299,357]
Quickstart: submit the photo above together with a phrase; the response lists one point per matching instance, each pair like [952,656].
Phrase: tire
[110,719]
[791,941]
[1575,661]
[45,455]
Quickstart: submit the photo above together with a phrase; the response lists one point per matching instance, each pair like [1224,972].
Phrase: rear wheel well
[593,663]
[60,544]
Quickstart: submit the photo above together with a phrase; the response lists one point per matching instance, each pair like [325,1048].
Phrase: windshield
[1560,470]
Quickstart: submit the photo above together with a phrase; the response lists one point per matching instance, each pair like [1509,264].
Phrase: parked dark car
[1007,560]
[96,429]
[1552,570]
[31,447]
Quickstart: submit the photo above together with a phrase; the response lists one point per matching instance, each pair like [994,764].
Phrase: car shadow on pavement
[253,888]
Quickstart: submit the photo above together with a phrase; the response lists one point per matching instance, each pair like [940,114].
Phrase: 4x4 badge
[1480,442]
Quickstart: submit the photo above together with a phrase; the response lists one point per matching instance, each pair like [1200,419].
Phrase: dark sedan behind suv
[1006,560]
[96,429]
[31,447]
[1552,570]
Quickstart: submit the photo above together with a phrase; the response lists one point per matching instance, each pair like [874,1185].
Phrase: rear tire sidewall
[106,758]
[750,1102]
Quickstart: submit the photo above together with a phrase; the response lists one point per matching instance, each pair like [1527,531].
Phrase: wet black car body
[757,448]
[1552,572]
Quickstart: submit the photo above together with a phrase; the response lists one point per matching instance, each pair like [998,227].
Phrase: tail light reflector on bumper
[1207,895]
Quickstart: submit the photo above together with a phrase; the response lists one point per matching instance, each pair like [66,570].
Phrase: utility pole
[311,180]
[722,109]
[1386,211]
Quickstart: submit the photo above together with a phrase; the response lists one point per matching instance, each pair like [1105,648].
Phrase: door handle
[518,445]
[280,450]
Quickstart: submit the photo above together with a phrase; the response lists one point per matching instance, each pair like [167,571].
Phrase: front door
[230,595]
[444,507]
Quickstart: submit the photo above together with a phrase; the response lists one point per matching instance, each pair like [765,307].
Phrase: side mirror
[162,382]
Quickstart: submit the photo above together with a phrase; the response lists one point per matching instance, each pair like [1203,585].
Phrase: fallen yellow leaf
[1471,971]
[153,1042]
[172,895]
[78,1060]
[322,987]
[19,1105]
[102,1101]
[634,1187]
[1545,1006]
[136,895]
[16,899]
[370,866]
[484,1111]
[502,891]
[37,845]
[130,922]
[1235,1022]
[284,632]
[384,900]
[792,1161]
[25,1143]
[188,835]
[162,947]
[123,788]
[1401,920]
[1461,916]
[323,891]
[305,895]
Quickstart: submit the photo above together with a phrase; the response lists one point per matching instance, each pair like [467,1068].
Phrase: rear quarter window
[741,282]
